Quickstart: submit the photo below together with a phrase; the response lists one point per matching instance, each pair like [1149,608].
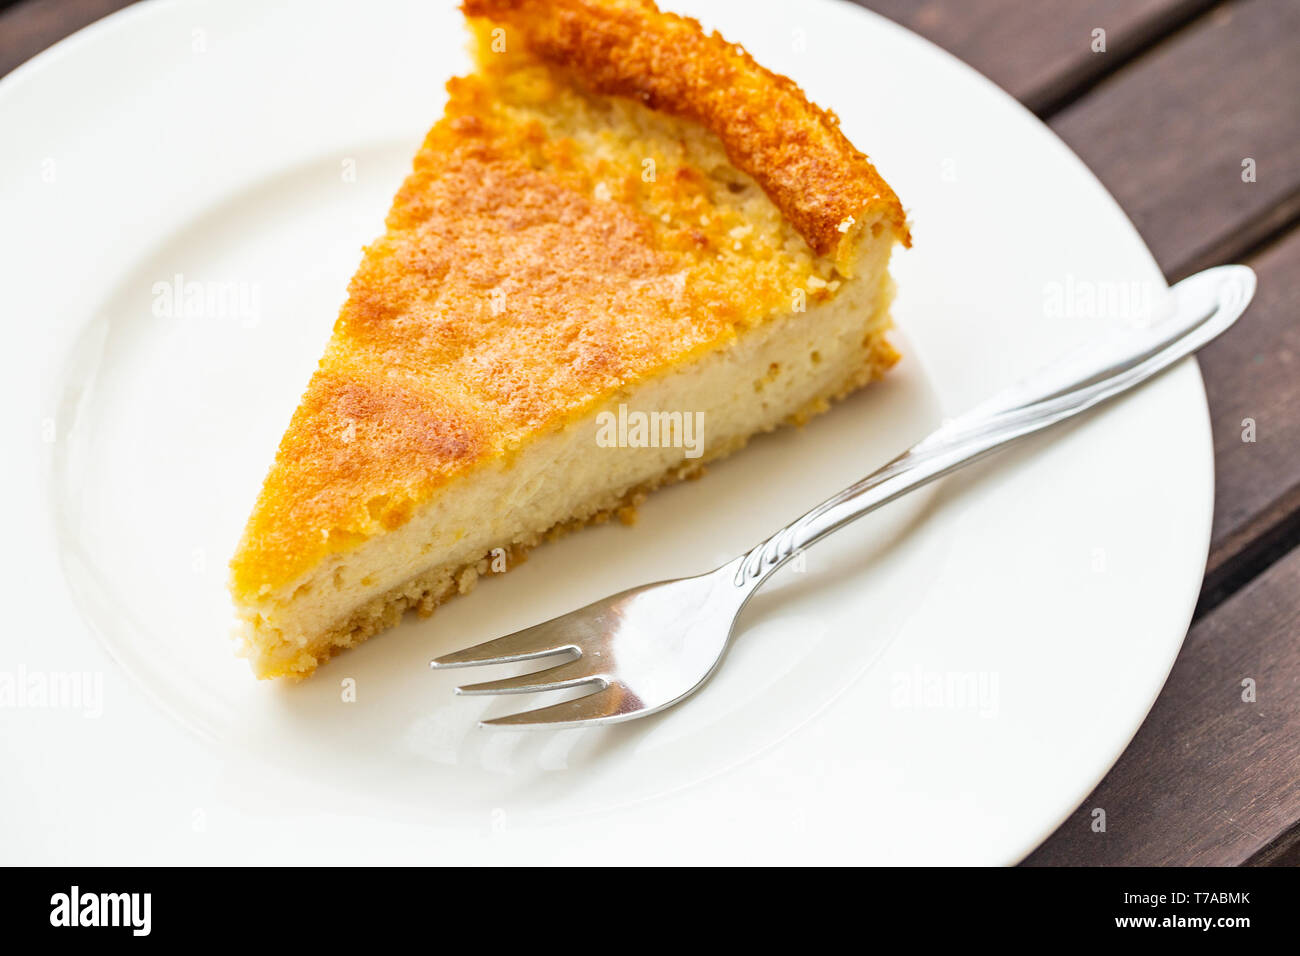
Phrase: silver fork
[645,649]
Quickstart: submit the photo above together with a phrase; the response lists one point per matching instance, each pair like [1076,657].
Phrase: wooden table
[1184,92]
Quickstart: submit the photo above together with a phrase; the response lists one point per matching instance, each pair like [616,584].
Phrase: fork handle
[1203,306]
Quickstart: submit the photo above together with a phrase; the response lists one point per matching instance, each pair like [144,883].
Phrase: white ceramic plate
[944,683]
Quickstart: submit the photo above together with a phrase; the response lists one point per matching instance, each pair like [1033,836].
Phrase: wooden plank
[28,27]
[1169,134]
[1252,378]
[1040,53]
[1210,779]
[1284,851]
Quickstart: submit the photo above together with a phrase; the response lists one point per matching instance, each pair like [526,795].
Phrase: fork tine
[540,640]
[612,702]
[552,678]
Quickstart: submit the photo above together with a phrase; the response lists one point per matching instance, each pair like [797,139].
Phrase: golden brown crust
[529,270]
[793,148]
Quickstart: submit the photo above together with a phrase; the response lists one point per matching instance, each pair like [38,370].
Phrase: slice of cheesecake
[624,249]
